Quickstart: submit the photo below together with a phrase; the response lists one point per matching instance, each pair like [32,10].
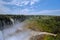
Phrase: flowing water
[19,32]
[16,32]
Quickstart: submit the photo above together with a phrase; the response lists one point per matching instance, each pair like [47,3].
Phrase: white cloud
[25,2]
[21,2]
[26,11]
[5,10]
[49,12]
[43,12]
[33,2]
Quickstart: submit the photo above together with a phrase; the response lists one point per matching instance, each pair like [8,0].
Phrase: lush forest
[46,24]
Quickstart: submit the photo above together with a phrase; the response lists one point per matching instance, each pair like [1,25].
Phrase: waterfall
[18,31]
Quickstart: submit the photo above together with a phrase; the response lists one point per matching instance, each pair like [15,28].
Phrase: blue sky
[30,7]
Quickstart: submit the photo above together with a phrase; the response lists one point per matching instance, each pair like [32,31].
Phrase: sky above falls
[30,7]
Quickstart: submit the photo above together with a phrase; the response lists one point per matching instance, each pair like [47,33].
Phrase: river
[19,32]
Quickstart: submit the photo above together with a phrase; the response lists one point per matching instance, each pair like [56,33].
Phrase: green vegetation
[47,24]
[40,23]
[52,38]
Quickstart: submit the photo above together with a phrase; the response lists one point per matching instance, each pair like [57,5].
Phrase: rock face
[4,22]
[38,37]
[8,20]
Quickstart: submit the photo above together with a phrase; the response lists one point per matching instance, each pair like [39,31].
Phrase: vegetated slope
[47,24]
